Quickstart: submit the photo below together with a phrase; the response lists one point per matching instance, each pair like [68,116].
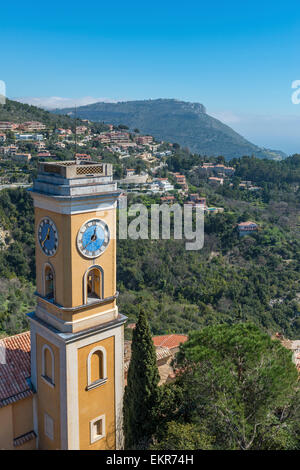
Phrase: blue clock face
[47,235]
[93,238]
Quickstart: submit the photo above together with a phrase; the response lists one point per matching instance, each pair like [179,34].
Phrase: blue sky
[238,59]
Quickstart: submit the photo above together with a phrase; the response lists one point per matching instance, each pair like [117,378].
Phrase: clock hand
[87,244]
[46,237]
[93,238]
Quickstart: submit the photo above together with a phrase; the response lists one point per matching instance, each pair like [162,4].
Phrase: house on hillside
[215,180]
[166,347]
[246,228]
[22,157]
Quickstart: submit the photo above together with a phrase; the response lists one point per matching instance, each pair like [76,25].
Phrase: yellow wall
[23,417]
[98,401]
[6,428]
[69,265]
[48,397]
[15,420]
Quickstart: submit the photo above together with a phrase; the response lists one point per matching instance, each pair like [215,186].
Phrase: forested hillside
[253,278]
[231,279]
[175,121]
[14,111]
[17,260]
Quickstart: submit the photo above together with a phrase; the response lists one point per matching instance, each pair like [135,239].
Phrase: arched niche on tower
[96,367]
[48,364]
[48,281]
[93,284]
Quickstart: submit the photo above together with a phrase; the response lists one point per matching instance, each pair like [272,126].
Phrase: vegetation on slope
[236,389]
[174,121]
[255,278]
[14,111]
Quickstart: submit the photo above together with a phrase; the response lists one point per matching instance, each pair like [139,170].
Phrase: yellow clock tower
[76,330]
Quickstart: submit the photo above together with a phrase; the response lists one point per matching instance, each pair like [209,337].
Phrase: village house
[180,179]
[164,184]
[246,228]
[32,126]
[81,129]
[144,139]
[82,156]
[224,170]
[215,180]
[44,154]
[103,139]
[29,137]
[166,347]
[40,145]
[197,200]
[218,170]
[60,145]
[167,199]
[23,157]
[10,150]
[61,131]
[8,126]
[130,172]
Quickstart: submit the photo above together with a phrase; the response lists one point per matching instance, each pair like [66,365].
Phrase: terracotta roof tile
[15,368]
[169,341]
[161,353]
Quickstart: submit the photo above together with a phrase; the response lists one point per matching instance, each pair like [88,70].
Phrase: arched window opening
[94,285]
[49,282]
[96,367]
[48,364]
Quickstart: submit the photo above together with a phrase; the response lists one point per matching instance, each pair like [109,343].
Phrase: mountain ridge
[174,120]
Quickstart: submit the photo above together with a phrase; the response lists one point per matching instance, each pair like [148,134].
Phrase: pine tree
[141,392]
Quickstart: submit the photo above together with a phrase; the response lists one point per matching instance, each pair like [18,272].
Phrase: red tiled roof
[169,341]
[162,352]
[241,224]
[14,368]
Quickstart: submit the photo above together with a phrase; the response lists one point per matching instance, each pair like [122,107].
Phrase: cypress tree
[141,392]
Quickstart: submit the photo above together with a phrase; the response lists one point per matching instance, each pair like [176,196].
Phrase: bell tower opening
[49,282]
[94,285]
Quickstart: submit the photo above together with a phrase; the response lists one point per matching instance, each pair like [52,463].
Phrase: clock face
[48,237]
[93,238]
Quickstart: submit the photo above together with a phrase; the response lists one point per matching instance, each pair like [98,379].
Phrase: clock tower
[76,330]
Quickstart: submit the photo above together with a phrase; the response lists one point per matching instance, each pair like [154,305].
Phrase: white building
[164,184]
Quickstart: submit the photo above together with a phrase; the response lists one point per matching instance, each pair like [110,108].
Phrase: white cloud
[52,102]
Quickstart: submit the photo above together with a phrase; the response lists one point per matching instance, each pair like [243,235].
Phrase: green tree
[184,436]
[242,384]
[141,393]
